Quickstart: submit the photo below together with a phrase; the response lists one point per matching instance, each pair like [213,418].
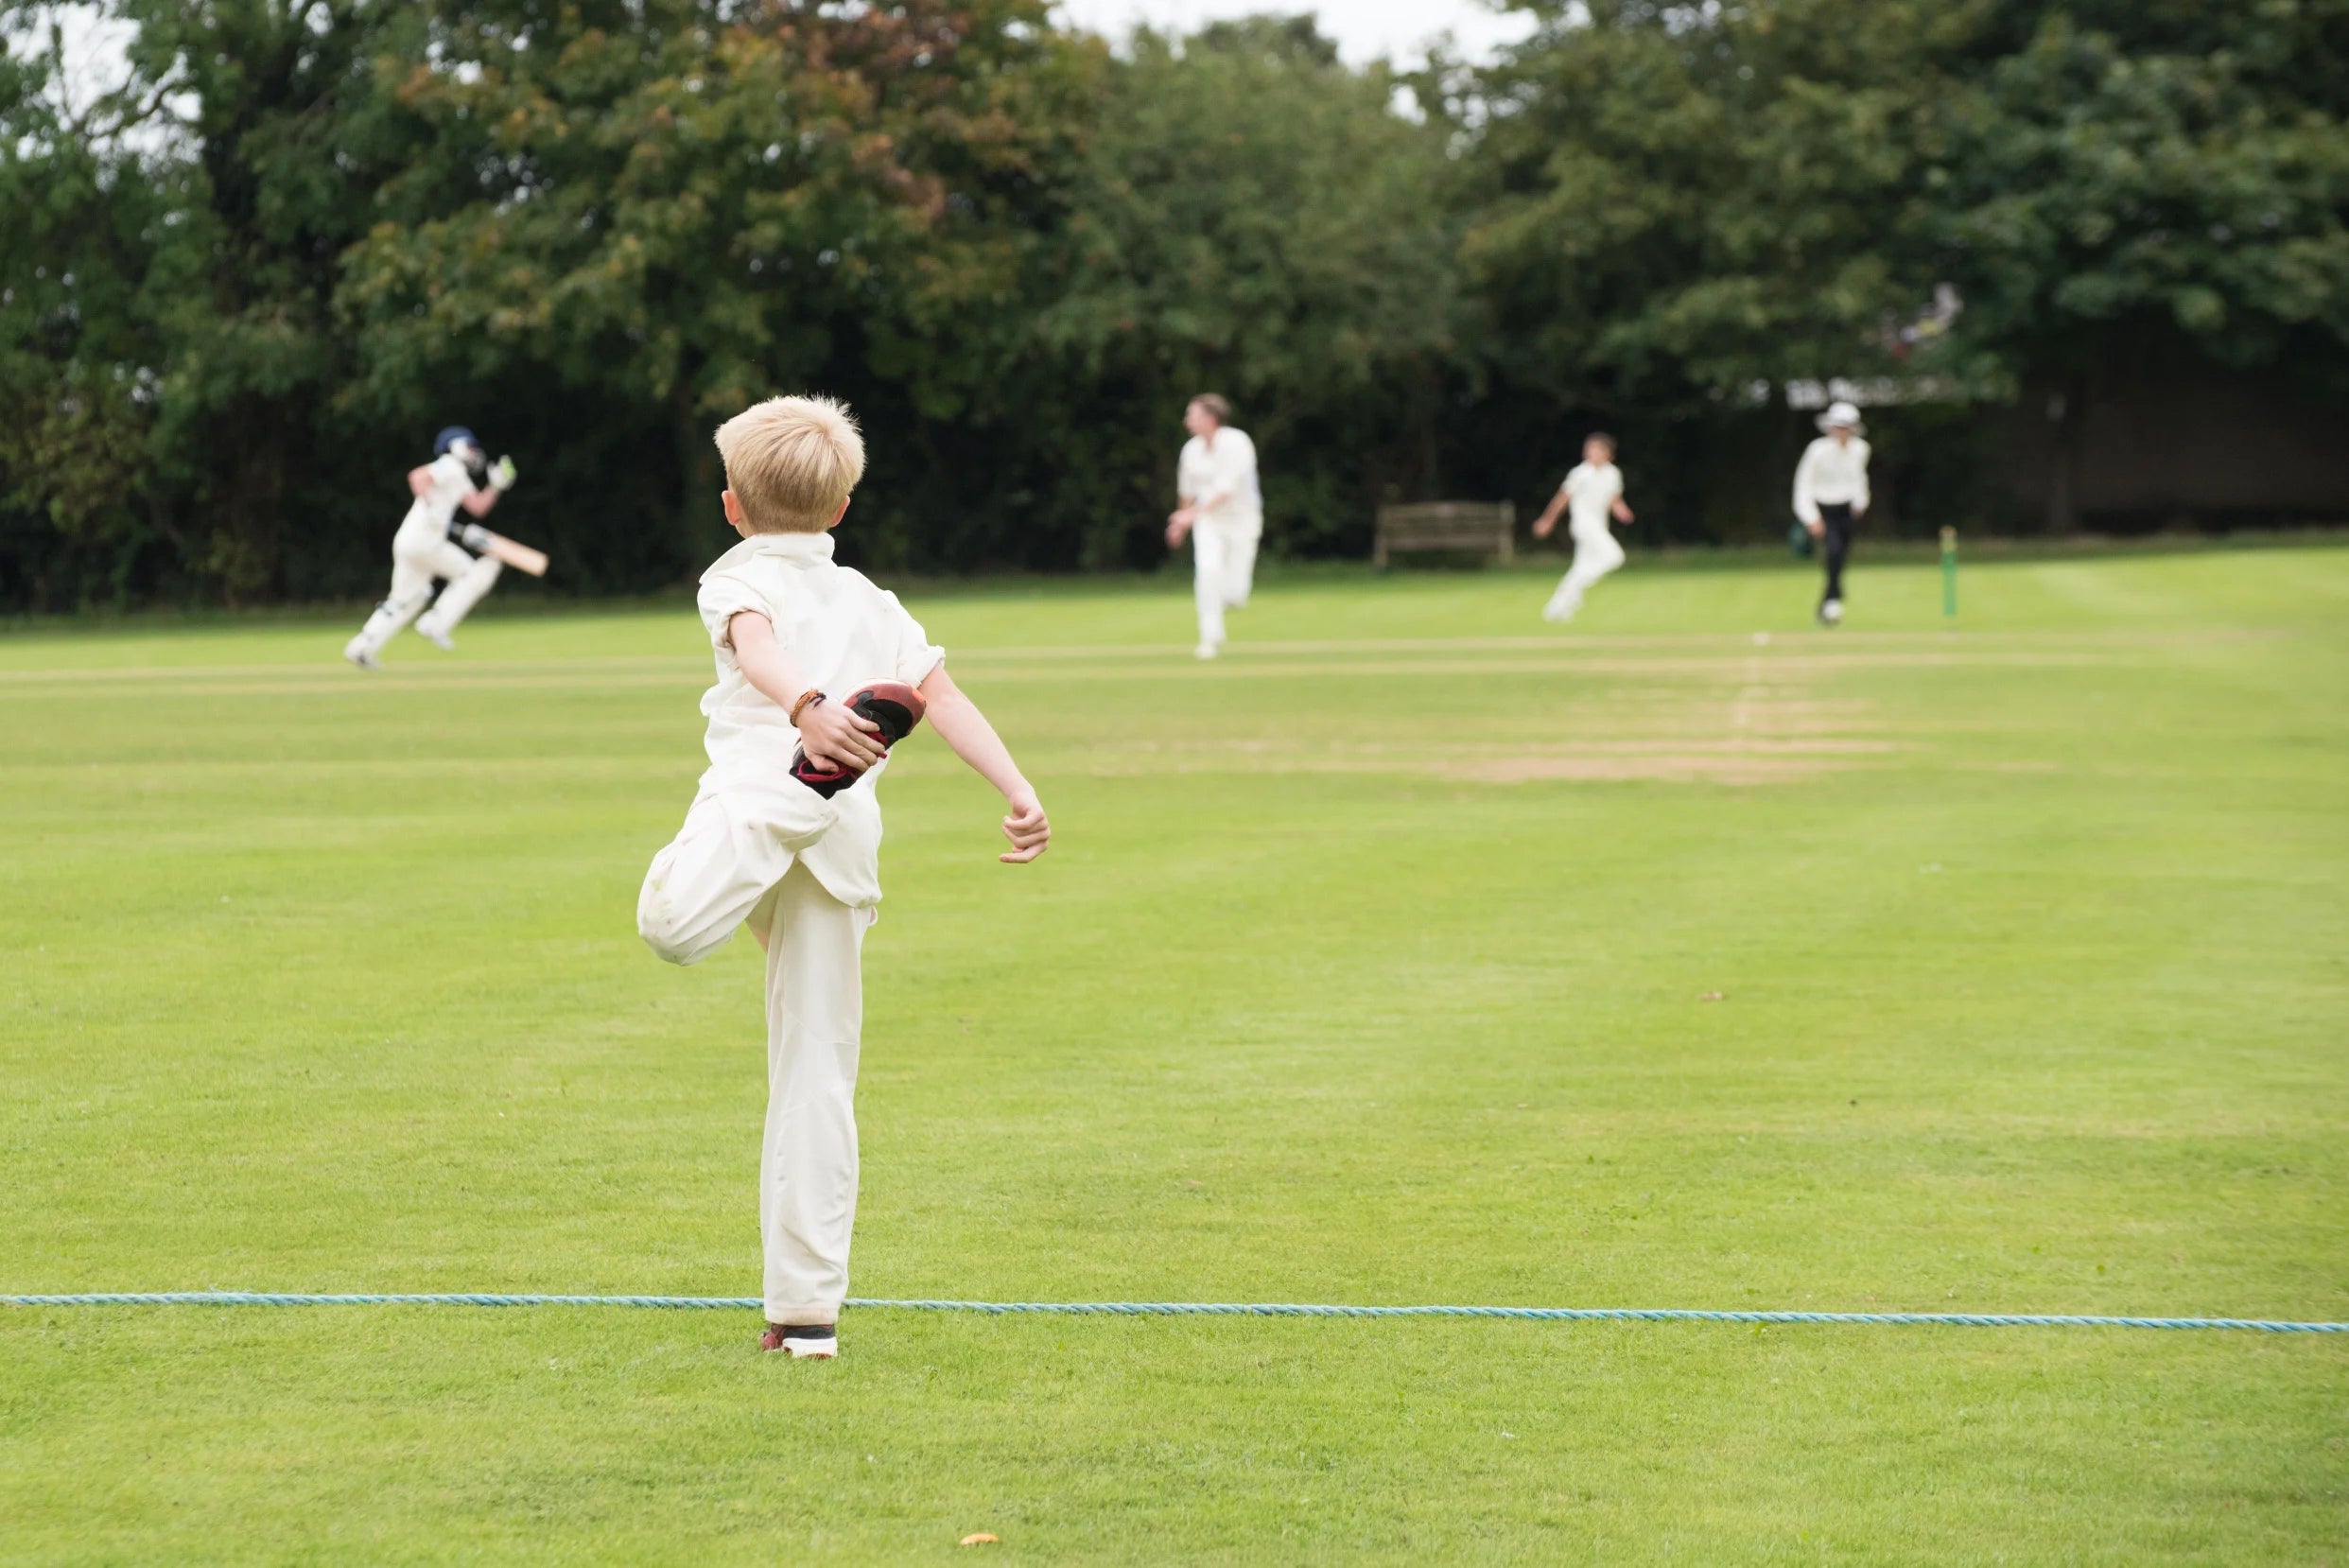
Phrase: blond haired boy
[761,848]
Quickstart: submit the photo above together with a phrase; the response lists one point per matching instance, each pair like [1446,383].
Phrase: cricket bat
[519,556]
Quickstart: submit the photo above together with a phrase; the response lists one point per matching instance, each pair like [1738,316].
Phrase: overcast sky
[1363,28]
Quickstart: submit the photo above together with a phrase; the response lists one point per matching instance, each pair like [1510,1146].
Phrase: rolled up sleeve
[720,599]
[916,655]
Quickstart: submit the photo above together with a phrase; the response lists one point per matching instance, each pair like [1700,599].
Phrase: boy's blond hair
[791,462]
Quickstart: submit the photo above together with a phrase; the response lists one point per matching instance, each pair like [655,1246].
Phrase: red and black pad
[892,706]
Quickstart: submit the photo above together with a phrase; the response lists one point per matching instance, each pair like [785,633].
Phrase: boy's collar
[802,548]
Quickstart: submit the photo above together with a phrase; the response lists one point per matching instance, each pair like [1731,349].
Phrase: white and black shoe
[803,1341]
[360,654]
[1831,612]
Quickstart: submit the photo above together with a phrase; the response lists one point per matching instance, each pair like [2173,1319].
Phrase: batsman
[434,546]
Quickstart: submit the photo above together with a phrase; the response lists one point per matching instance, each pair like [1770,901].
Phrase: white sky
[1363,28]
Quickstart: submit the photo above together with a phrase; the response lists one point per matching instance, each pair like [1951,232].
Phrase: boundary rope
[1178,1309]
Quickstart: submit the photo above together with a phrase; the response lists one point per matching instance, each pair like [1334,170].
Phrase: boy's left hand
[833,735]
[1027,830]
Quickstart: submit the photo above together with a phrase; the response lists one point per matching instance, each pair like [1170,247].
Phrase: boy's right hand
[837,737]
[1027,830]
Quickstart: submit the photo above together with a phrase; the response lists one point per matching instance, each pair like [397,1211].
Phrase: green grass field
[1416,953]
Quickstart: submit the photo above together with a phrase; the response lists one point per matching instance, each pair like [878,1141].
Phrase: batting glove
[501,475]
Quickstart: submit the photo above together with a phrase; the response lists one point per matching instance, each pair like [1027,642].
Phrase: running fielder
[1591,497]
[1222,513]
[432,543]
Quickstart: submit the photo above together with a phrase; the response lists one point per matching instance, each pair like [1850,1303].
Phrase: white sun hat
[1841,412]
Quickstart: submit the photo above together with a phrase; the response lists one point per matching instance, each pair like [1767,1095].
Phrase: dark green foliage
[1252,219]
[245,276]
[2178,167]
[1673,202]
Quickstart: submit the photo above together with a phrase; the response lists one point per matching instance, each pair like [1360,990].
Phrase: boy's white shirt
[427,520]
[1227,472]
[841,631]
[1591,493]
[1830,473]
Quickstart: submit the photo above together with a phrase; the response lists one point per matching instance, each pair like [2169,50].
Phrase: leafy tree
[1677,201]
[2127,166]
[215,160]
[669,208]
[1252,217]
[2130,192]
[250,266]
[1683,199]
[77,379]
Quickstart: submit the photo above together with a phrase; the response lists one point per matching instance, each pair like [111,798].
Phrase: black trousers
[1834,519]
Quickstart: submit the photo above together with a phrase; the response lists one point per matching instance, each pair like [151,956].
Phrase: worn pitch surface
[1414,952]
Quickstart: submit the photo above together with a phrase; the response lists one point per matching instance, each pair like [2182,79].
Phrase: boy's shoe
[1206,651]
[360,654]
[804,1341]
[439,640]
[894,705]
[1831,612]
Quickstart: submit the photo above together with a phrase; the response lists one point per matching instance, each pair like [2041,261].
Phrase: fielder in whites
[1221,512]
[432,545]
[784,832]
[1591,497]
[1830,497]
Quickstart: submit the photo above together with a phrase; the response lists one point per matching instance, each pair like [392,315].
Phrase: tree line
[253,252]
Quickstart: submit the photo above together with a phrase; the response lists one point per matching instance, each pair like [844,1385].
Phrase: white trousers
[1223,572]
[808,1160]
[736,860]
[412,572]
[1595,555]
[742,833]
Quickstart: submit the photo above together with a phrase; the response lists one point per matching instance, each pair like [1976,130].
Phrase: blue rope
[1179,1309]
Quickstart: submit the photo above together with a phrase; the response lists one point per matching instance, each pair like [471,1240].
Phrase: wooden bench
[1459,528]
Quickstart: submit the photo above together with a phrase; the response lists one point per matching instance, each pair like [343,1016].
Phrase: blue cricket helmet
[451,436]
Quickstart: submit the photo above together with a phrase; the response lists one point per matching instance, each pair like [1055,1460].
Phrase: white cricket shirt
[1221,480]
[1832,473]
[1591,495]
[426,523]
[841,631]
